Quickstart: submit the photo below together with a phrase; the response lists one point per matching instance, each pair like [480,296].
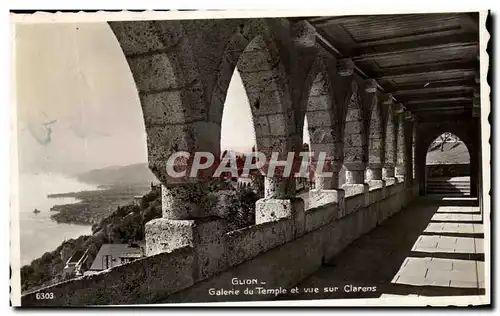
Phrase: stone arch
[252,49]
[389,143]
[170,90]
[467,145]
[375,140]
[323,131]
[253,52]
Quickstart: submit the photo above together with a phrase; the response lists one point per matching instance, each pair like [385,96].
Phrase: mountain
[130,174]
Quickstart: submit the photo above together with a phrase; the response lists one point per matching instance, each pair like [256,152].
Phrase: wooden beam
[436,85]
[436,95]
[408,71]
[442,109]
[322,20]
[440,100]
[471,21]
[465,41]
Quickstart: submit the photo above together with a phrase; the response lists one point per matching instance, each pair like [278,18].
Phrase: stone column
[280,199]
[258,184]
[373,173]
[414,148]
[400,169]
[354,144]
[188,220]
[330,182]
[476,104]
[390,143]
[326,185]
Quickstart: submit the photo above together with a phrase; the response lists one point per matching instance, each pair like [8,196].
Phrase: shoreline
[94,205]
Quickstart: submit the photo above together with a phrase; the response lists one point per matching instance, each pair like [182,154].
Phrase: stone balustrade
[279,252]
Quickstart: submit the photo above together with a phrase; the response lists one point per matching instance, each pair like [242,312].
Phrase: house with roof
[112,255]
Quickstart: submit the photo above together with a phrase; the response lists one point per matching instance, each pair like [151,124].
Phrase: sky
[77,105]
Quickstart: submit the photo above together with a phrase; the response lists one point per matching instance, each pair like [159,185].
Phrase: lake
[38,233]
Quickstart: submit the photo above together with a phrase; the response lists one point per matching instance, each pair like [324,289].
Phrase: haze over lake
[38,233]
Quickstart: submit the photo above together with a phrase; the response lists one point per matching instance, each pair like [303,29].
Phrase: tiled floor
[433,248]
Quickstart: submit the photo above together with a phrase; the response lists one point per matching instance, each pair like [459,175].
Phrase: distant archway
[447,167]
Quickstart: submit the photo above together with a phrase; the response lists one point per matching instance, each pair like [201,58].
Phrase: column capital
[370,85]
[399,108]
[304,34]
[345,67]
[476,93]
[476,103]
[387,99]
[476,112]
[409,116]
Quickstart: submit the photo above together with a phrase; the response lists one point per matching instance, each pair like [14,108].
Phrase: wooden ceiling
[427,61]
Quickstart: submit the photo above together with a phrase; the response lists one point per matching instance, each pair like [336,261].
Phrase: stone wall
[271,252]
[448,170]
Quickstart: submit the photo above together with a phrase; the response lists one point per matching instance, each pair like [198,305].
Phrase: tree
[444,138]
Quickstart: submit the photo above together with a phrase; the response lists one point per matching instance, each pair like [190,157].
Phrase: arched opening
[80,125]
[237,140]
[447,167]
[319,131]
[237,127]
[253,116]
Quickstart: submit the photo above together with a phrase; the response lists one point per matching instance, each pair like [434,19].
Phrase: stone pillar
[390,143]
[257,182]
[327,189]
[280,202]
[476,104]
[330,182]
[188,220]
[354,144]
[400,169]
[355,174]
[280,199]
[279,188]
[373,173]
[414,149]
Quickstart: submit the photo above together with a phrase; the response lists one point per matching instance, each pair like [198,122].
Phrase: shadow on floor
[367,267]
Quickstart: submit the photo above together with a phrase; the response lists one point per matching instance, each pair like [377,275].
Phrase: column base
[319,198]
[376,184]
[390,181]
[387,172]
[400,171]
[268,210]
[354,176]
[356,189]
[373,174]
[206,236]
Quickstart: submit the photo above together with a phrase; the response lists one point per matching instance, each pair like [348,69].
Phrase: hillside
[119,175]
[126,223]
[453,153]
